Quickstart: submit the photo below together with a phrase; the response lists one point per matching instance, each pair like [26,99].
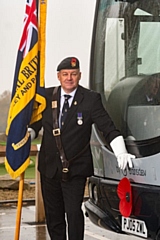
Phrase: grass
[2,169]
[30,171]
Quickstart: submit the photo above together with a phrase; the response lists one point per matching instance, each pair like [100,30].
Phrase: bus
[125,69]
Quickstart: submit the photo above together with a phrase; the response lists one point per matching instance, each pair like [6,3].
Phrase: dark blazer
[75,138]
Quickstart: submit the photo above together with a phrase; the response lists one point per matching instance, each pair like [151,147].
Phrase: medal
[79,119]
[80,122]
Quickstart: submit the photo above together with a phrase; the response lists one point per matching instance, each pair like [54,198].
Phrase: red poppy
[125,195]
[73,62]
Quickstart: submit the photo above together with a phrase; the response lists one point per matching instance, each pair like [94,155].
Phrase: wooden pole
[39,213]
[19,206]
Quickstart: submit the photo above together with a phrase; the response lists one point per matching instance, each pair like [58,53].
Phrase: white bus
[125,69]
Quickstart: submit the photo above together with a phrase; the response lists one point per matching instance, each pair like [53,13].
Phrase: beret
[68,63]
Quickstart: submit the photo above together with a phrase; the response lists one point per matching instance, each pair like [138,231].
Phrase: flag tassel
[19,207]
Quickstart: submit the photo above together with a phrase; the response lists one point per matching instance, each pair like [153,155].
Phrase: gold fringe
[19,171]
[42,39]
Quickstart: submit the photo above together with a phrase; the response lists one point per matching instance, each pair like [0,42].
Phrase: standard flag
[27,100]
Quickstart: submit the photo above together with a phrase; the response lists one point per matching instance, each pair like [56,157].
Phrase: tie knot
[67,97]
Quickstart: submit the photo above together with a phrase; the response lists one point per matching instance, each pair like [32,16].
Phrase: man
[146,92]
[85,108]
[151,90]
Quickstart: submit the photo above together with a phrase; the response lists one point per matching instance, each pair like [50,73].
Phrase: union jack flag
[30,23]
[28,101]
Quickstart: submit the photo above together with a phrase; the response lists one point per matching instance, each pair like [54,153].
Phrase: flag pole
[19,206]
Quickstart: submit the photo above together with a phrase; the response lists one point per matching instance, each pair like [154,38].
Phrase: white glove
[32,133]
[120,151]
[123,159]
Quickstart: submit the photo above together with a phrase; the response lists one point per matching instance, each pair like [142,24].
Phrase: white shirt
[62,99]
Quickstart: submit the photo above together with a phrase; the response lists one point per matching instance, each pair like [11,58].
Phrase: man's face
[69,79]
[154,86]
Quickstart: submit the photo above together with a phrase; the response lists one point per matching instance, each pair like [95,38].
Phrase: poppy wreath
[125,194]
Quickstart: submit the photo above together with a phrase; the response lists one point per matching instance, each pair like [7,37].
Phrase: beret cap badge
[73,62]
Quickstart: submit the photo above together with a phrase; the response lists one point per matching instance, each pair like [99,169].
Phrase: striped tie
[65,109]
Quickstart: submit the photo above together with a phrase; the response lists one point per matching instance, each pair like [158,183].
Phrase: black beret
[68,63]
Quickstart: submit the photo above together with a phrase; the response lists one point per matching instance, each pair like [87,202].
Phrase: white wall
[69,30]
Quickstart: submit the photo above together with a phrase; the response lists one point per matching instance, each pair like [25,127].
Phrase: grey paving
[31,231]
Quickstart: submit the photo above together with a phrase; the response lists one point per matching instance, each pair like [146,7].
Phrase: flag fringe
[42,39]
[19,171]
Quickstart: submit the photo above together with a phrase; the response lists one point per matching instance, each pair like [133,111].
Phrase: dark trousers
[60,198]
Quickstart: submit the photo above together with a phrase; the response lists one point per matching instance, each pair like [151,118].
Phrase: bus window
[148,39]
[114,56]
[144,109]
[125,52]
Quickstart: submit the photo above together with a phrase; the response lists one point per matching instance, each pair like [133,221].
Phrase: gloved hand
[119,149]
[32,133]
[123,159]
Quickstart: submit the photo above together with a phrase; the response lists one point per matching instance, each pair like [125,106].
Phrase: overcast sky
[69,30]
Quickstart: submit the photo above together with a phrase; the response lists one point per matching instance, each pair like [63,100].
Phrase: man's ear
[80,74]
[58,75]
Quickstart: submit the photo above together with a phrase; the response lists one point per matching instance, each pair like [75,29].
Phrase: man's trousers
[62,203]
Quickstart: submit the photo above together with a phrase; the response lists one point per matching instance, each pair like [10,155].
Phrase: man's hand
[119,149]
[32,133]
[123,159]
